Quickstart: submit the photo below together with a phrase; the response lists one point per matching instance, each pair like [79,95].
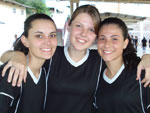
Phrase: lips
[81,40]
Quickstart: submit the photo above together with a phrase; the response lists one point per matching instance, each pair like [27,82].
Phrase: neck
[35,65]
[112,68]
[76,55]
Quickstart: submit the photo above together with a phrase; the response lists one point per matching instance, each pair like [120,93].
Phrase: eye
[52,35]
[114,39]
[92,30]
[101,38]
[78,25]
[39,36]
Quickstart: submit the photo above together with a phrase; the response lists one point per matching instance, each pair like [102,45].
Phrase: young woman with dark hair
[38,43]
[118,91]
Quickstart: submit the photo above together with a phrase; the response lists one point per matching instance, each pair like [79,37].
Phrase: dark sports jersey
[29,98]
[71,86]
[124,95]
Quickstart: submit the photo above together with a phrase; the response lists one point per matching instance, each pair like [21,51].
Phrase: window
[22,12]
[14,10]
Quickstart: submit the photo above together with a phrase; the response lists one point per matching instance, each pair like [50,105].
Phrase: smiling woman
[118,85]
[38,42]
[73,72]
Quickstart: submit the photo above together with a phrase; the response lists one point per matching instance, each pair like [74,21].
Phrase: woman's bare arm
[17,62]
[144,65]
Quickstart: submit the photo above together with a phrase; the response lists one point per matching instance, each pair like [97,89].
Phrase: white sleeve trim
[5,94]
[2,93]
[148,106]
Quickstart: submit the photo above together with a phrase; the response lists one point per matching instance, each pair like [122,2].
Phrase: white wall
[13,24]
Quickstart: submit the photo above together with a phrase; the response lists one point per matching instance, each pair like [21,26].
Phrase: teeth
[107,52]
[81,41]
[46,49]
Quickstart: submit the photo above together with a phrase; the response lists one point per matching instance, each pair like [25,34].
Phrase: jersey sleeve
[7,93]
[5,103]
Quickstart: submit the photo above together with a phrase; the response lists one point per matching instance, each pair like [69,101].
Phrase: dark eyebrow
[42,32]
[39,32]
[53,32]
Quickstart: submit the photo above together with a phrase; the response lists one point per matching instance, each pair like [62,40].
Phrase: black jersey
[29,98]
[124,95]
[71,86]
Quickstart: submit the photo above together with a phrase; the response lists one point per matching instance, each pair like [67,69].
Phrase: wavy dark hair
[130,57]
[18,45]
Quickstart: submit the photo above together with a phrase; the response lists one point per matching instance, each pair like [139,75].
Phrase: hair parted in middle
[91,11]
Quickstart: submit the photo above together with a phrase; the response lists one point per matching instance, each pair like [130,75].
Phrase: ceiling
[123,1]
[129,19]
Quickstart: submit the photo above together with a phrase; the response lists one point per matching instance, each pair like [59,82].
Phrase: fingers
[10,75]
[15,77]
[147,84]
[146,80]
[5,68]
[139,69]
[22,76]
[17,73]
[25,73]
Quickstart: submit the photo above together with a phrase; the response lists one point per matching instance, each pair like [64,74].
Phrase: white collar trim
[110,81]
[75,64]
[35,80]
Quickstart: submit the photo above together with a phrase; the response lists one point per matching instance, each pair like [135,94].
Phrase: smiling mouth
[107,52]
[81,40]
[47,50]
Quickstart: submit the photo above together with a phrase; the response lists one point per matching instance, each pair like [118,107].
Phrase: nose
[47,40]
[84,32]
[107,43]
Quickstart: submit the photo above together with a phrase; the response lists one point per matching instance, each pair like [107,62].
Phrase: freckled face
[111,43]
[42,41]
[82,32]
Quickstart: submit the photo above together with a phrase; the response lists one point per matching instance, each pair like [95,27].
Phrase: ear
[24,40]
[68,28]
[125,43]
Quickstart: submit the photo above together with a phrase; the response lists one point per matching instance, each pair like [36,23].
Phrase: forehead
[83,17]
[110,30]
[42,24]
[41,21]
[112,27]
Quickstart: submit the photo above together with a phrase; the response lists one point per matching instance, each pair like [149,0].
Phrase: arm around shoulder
[6,56]
[144,65]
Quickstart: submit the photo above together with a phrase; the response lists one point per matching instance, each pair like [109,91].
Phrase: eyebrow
[42,32]
[115,36]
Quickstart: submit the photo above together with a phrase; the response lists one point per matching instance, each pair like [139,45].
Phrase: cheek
[93,37]
[119,48]
[99,46]
[55,42]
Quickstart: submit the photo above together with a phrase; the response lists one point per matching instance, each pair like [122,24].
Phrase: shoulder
[94,52]
[59,48]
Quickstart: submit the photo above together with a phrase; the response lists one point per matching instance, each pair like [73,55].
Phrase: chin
[107,59]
